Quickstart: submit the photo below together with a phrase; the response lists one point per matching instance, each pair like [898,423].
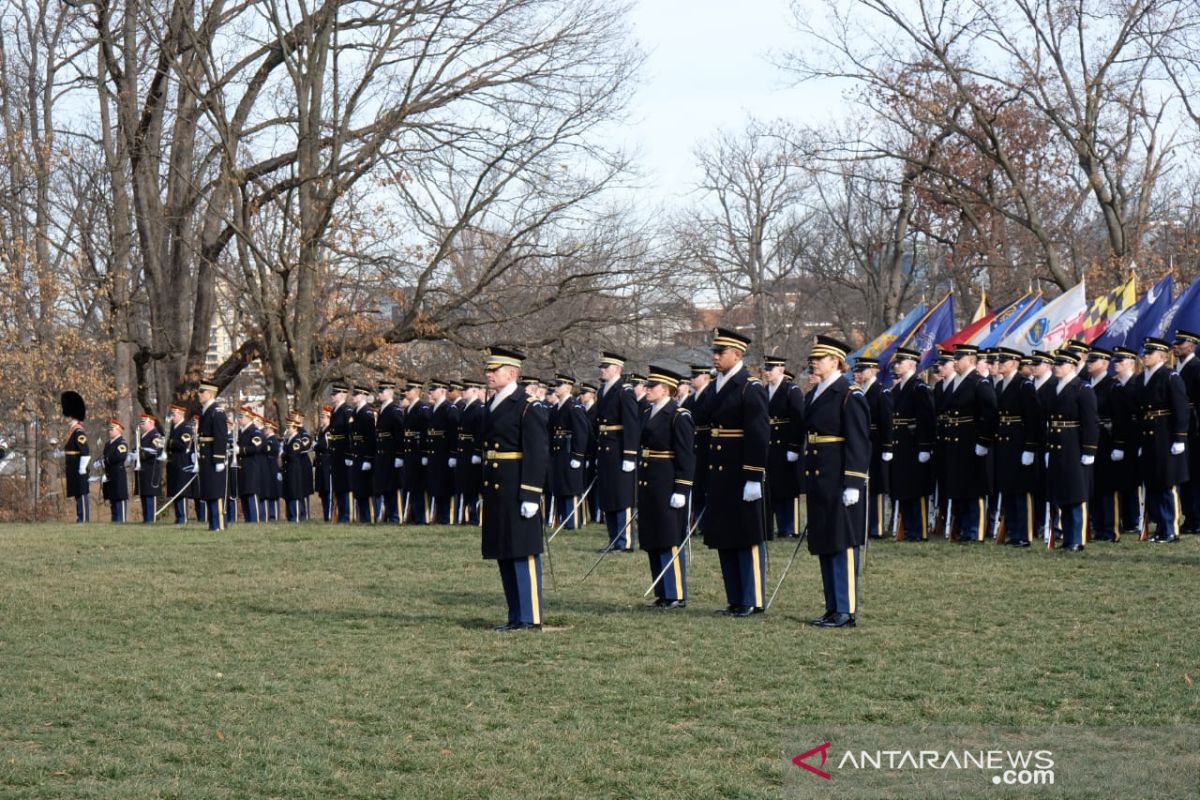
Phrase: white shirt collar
[724,376]
[825,384]
[503,393]
[958,379]
[1150,372]
[657,407]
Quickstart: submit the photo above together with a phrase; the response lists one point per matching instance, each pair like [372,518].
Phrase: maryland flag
[1105,307]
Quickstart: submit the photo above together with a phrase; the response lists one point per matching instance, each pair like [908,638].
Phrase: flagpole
[925,319]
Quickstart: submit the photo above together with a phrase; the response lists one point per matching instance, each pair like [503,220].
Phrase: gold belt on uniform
[958,420]
[502,455]
[1063,424]
[816,438]
[611,428]
[779,421]
[1009,419]
[658,453]
[205,439]
[728,433]
[71,452]
[1156,413]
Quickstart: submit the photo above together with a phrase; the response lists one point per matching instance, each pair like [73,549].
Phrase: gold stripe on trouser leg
[1175,497]
[757,571]
[1117,516]
[535,600]
[1083,522]
[879,515]
[1029,516]
[924,519]
[796,515]
[221,514]
[453,519]
[153,508]
[851,587]
[678,573]
[981,528]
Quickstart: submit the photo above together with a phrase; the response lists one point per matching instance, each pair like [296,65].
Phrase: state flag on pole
[1106,307]
[1053,324]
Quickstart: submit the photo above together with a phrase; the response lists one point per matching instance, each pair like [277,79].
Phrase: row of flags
[1118,318]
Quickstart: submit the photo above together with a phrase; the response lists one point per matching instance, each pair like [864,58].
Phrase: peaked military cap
[906,354]
[828,346]
[502,357]
[664,376]
[612,359]
[1123,352]
[563,380]
[1153,344]
[866,363]
[726,339]
[965,349]
[774,361]
[1182,336]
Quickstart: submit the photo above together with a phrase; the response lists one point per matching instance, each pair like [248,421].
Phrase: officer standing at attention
[1072,432]
[321,465]
[1123,402]
[516,447]
[1188,367]
[697,403]
[181,466]
[836,461]
[785,409]
[115,457]
[212,438]
[569,431]
[468,471]
[77,455]
[664,482]
[913,420]
[362,447]
[1164,416]
[389,435]
[617,436]
[879,405]
[297,469]
[734,521]
[341,461]
[970,425]
[1018,441]
[152,451]
[1104,505]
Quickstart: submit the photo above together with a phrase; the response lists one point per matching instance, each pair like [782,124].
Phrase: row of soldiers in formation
[1004,444]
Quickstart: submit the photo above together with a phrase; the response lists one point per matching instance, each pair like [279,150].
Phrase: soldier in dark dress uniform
[468,468]
[879,405]
[362,453]
[211,440]
[1188,367]
[1104,499]
[322,476]
[1072,431]
[152,452]
[115,458]
[1044,384]
[297,468]
[569,432]
[341,458]
[251,452]
[913,433]
[969,427]
[785,409]
[516,453]
[271,479]
[734,521]
[437,450]
[836,461]
[1123,405]
[389,436]
[944,370]
[416,420]
[76,455]
[587,399]
[1164,416]
[1019,429]
[181,461]
[667,463]
[697,403]
[617,436]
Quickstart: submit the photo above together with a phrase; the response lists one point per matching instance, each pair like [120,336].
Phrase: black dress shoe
[838,621]
[730,611]
[672,604]
[1161,539]
[521,626]
[743,611]
[1074,548]
[659,603]
[504,628]
[821,619]
[1020,544]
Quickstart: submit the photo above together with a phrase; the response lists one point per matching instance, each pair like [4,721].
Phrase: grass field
[315,661]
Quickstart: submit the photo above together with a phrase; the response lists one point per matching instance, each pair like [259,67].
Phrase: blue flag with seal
[1134,324]
[1014,315]
[1183,313]
[932,328]
[883,345]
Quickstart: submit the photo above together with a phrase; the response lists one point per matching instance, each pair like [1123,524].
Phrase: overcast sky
[708,68]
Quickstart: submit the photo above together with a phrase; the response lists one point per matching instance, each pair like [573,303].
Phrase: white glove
[452,463]
[1047,459]
[980,450]
[528,509]
[398,463]
[278,476]
[83,462]
[366,467]
[424,461]
[130,459]
[1139,452]
[236,450]
[1118,455]
[885,457]
[476,460]
[576,463]
[923,457]
[849,497]
[220,467]
[1177,448]
[627,466]
[1027,458]
[349,462]
[678,500]
[752,491]
[1087,460]
[792,456]
[162,456]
